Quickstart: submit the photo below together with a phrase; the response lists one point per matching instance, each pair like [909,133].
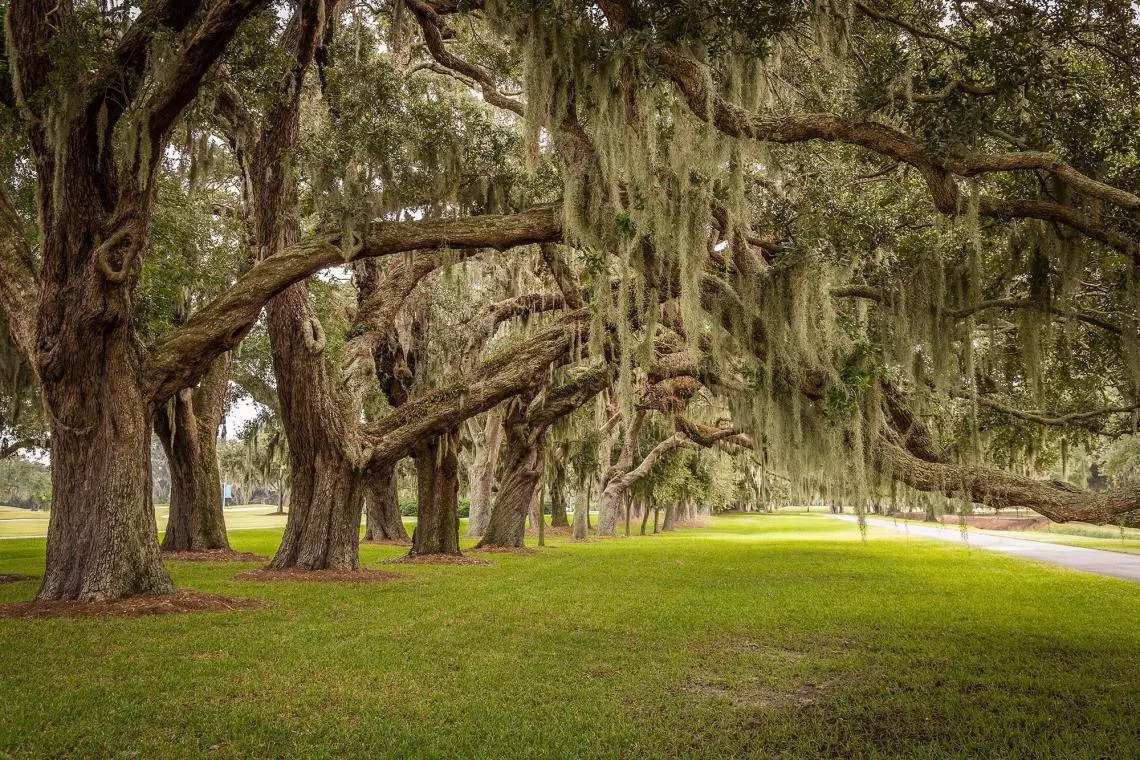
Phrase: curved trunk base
[383,521]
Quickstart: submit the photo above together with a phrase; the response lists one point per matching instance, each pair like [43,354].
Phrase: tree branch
[219,326]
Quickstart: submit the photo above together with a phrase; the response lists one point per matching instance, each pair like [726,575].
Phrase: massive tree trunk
[188,431]
[323,527]
[522,470]
[102,539]
[481,473]
[382,498]
[437,487]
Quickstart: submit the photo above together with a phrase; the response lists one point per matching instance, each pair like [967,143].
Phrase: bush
[411,508]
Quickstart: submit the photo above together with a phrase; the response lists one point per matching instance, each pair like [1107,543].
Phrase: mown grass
[766,636]
[16,522]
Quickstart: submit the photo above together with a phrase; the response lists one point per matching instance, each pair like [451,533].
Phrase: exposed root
[214,555]
[131,606]
[16,578]
[343,576]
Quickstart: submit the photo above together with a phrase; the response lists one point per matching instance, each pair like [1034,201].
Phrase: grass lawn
[760,636]
[23,522]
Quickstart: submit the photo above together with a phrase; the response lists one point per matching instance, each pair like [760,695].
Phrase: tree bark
[188,431]
[437,485]
[670,516]
[323,527]
[522,471]
[581,514]
[381,495]
[102,539]
[481,474]
[558,512]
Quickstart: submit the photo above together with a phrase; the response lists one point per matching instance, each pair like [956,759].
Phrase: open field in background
[23,522]
[15,522]
[765,636]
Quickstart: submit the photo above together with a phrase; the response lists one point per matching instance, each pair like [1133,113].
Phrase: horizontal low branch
[219,326]
[1058,501]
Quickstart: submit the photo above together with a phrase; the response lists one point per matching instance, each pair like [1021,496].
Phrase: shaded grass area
[765,636]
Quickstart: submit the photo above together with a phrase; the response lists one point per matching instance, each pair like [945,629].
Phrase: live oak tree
[914,242]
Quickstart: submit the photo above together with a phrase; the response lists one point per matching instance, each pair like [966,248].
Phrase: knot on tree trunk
[314,336]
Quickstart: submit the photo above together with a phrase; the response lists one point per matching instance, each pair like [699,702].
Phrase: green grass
[763,636]
[23,522]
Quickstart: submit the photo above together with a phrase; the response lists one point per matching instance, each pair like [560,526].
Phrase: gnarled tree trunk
[323,527]
[102,538]
[481,473]
[382,498]
[522,471]
[188,431]
[437,486]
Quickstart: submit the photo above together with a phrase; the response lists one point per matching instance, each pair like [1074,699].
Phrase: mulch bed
[16,578]
[505,550]
[385,542]
[142,605]
[214,555]
[438,559]
[345,576]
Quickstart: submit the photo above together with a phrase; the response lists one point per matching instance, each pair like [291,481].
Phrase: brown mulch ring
[437,559]
[214,555]
[346,576]
[16,578]
[142,605]
[505,549]
[385,542]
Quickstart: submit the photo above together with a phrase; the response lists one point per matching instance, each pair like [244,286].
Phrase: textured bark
[322,530]
[481,473]
[102,539]
[558,510]
[188,431]
[437,485]
[581,514]
[670,516]
[381,495]
[522,471]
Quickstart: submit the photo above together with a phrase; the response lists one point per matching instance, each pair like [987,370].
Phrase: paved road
[1097,561]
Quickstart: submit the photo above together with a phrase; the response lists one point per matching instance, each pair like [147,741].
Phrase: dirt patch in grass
[344,576]
[214,555]
[385,542]
[752,694]
[437,559]
[696,522]
[16,578]
[142,605]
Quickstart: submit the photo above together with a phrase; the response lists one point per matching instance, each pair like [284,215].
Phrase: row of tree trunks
[187,428]
[382,499]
